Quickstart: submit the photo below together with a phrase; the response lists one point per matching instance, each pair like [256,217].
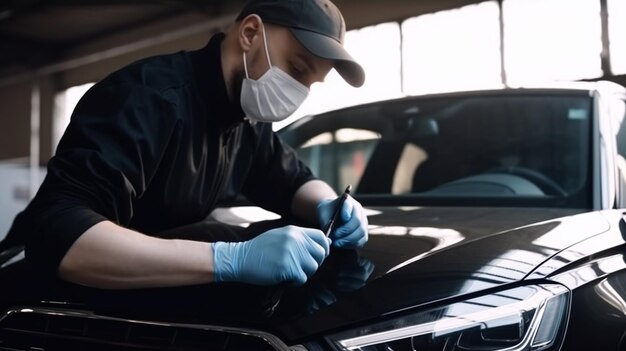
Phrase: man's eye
[296,70]
[299,73]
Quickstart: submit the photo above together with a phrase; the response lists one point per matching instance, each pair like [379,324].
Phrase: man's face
[288,54]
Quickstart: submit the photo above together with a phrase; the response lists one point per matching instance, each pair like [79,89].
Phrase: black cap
[317,25]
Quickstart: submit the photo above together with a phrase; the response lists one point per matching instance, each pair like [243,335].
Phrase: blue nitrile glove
[351,227]
[288,254]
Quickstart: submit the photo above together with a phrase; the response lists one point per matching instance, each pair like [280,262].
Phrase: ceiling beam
[194,17]
[26,51]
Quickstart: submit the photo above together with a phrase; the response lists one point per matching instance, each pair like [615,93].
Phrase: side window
[339,157]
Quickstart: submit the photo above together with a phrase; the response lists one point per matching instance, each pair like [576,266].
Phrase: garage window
[452,50]
[617,35]
[552,40]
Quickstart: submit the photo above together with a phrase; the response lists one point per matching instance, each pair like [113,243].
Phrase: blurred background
[51,52]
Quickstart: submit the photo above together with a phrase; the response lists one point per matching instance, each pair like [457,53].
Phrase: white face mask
[274,96]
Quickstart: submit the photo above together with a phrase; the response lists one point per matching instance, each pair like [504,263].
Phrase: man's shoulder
[158,73]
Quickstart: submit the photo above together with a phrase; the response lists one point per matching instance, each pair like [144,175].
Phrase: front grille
[56,329]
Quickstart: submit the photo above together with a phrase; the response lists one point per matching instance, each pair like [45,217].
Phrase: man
[157,144]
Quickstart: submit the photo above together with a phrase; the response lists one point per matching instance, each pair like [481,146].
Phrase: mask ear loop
[267,54]
[245,65]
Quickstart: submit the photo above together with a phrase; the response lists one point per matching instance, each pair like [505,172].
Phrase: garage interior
[47,47]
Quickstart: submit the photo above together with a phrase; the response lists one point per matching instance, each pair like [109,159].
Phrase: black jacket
[155,145]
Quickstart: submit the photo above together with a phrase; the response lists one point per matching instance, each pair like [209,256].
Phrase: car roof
[548,88]
[602,86]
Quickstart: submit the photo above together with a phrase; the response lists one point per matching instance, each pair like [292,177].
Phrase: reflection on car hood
[415,256]
[441,253]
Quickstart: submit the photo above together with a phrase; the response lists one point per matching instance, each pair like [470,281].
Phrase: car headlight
[523,318]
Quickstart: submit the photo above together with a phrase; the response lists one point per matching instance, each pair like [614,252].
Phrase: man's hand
[351,226]
[288,254]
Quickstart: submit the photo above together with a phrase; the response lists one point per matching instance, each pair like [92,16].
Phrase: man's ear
[249,30]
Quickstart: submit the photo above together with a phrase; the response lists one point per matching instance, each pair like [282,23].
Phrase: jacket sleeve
[105,160]
[276,172]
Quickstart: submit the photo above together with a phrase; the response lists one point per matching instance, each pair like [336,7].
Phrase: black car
[495,224]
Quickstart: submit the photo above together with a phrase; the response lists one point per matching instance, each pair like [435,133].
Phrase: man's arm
[307,197]
[111,257]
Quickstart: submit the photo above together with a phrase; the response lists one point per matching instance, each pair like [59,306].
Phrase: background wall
[15,120]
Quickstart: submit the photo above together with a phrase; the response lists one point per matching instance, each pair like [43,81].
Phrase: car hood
[424,255]
[414,257]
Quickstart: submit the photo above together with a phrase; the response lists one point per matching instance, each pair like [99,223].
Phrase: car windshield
[508,149]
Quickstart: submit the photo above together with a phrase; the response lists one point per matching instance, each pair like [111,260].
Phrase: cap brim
[328,48]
